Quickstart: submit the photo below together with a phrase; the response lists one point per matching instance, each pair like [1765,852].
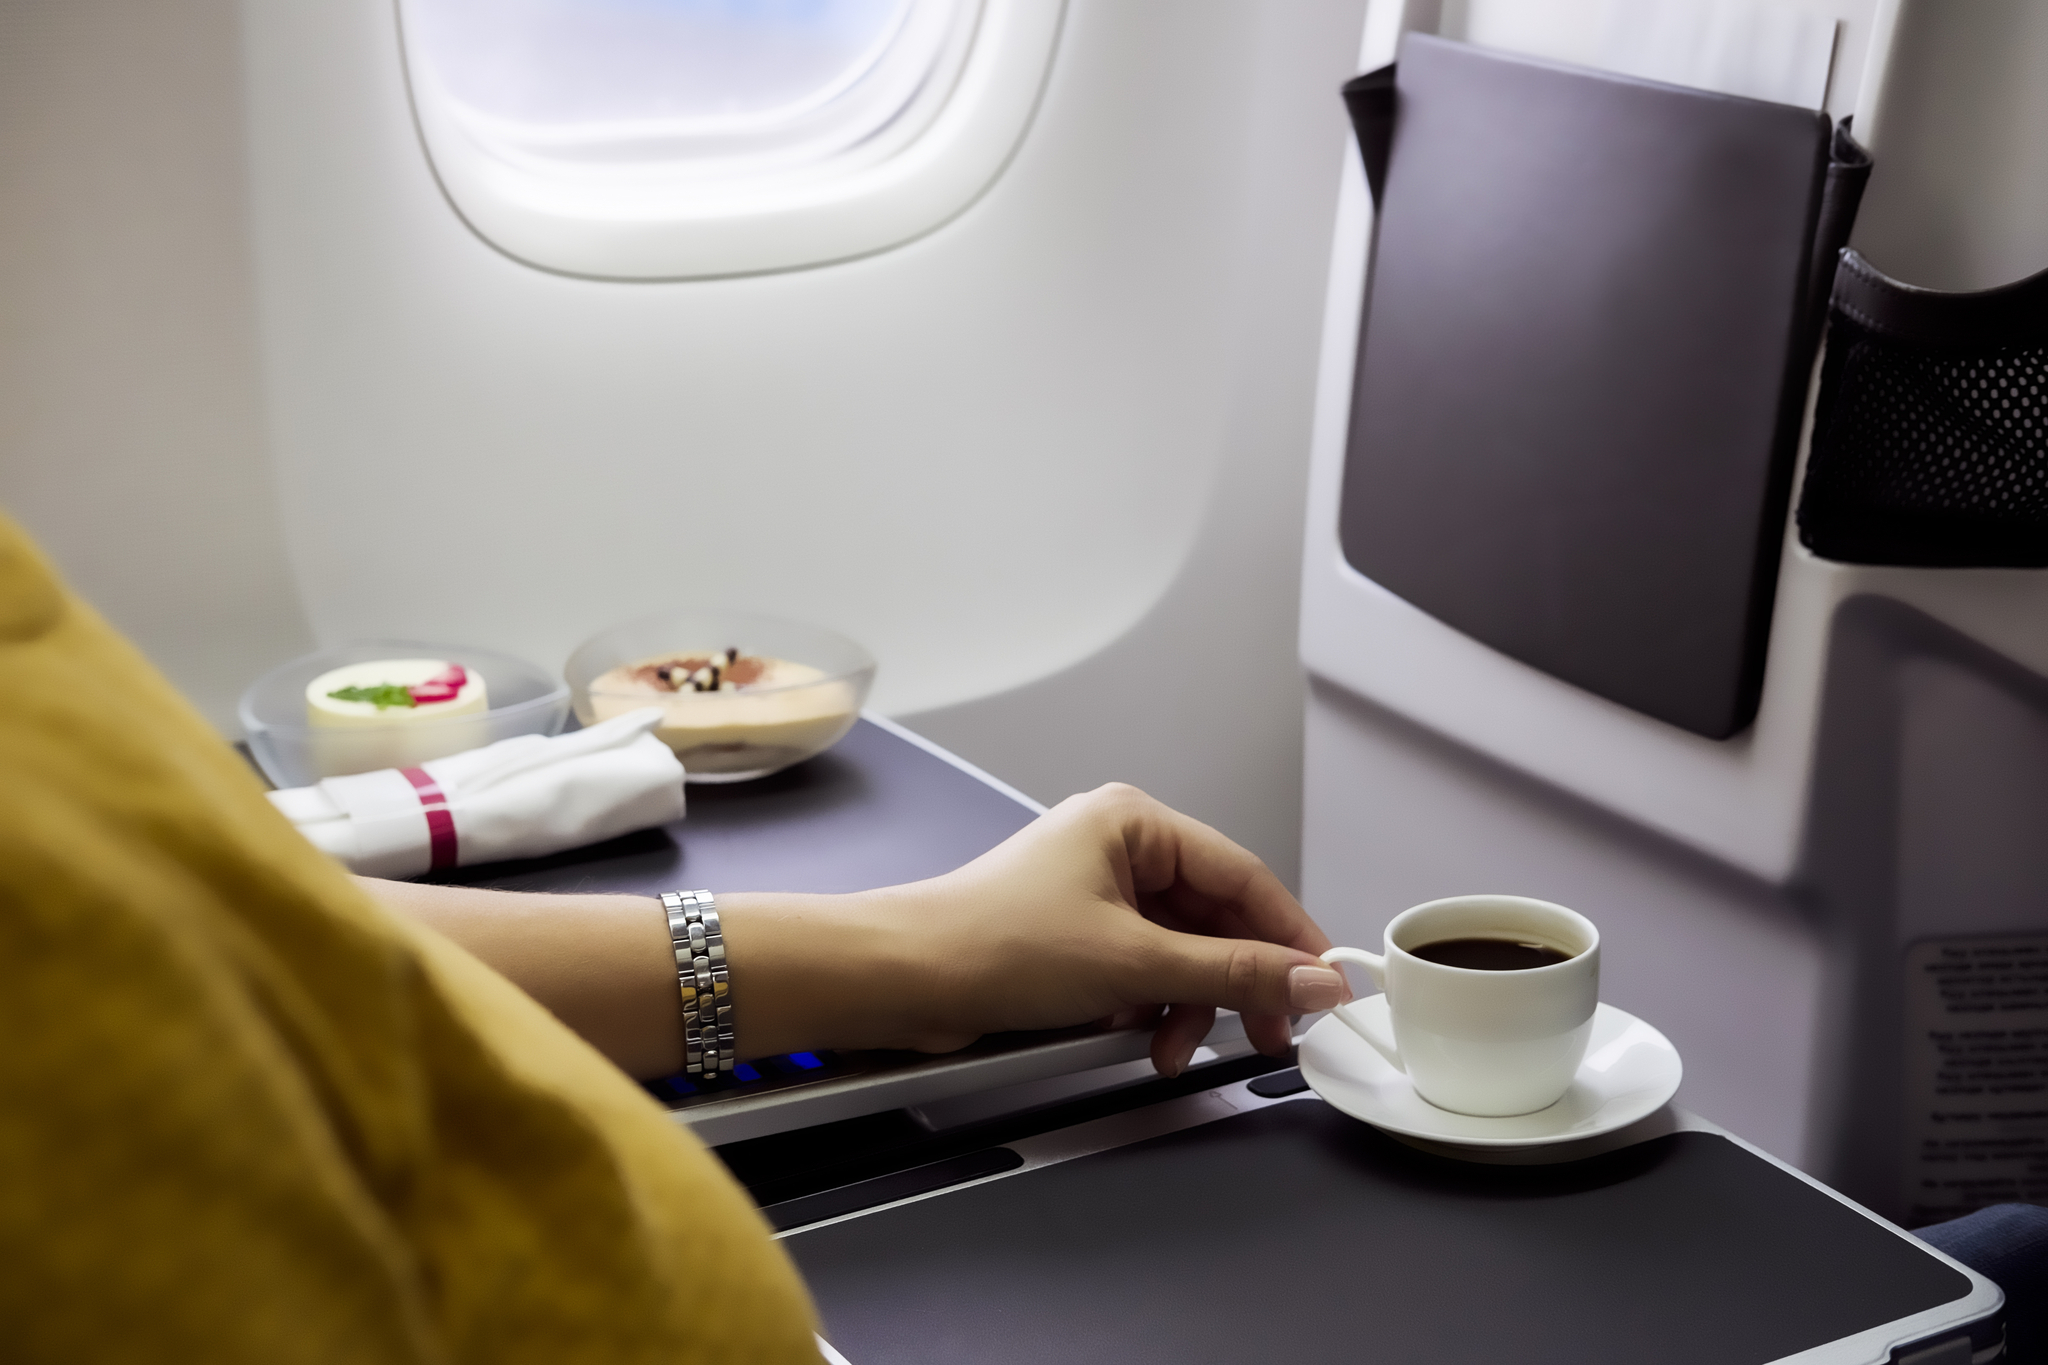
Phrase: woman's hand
[1112,906]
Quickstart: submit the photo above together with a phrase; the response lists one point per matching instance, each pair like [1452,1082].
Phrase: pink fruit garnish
[443,686]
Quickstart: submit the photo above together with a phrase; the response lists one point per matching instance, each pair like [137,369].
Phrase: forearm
[807,970]
[600,964]
[836,972]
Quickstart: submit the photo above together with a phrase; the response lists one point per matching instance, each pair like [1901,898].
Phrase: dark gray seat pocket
[1930,442]
[1583,362]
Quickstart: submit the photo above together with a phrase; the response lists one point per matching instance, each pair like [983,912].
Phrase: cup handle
[1382,1041]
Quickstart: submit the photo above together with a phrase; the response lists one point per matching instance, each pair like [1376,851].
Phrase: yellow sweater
[245,1115]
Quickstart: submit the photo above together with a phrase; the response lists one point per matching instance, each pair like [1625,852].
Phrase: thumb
[1248,975]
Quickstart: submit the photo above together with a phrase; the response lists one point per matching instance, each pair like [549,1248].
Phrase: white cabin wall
[1201,702]
[131,430]
[1060,437]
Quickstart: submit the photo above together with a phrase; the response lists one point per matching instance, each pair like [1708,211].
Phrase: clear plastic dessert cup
[736,731]
[293,752]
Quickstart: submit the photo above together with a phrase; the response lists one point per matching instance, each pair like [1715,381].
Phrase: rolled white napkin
[518,798]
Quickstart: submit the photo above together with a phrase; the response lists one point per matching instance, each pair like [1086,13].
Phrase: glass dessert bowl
[742,695]
[392,704]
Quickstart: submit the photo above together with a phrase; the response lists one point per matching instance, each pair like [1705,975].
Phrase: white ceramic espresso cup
[1478,1042]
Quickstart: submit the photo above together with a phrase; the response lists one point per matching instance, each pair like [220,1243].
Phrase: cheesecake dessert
[394,692]
[385,714]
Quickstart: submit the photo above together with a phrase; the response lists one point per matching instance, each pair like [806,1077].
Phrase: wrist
[817,971]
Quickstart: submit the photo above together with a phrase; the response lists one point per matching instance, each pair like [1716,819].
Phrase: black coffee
[1490,954]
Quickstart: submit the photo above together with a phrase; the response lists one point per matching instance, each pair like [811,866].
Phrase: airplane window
[679,138]
[700,87]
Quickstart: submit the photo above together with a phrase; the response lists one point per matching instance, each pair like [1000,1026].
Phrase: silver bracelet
[701,974]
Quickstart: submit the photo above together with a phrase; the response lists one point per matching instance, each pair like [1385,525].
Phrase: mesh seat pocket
[1930,442]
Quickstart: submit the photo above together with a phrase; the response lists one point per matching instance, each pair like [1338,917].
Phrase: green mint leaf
[383,695]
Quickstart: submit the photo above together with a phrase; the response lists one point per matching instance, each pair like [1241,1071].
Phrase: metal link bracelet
[701,974]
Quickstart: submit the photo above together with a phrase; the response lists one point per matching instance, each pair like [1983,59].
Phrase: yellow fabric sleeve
[246,1115]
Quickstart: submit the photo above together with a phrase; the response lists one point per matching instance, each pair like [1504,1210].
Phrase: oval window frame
[677,227]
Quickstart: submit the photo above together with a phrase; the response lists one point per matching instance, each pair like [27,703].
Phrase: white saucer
[1629,1072]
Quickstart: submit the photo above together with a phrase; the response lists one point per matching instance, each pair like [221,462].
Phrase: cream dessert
[382,714]
[730,715]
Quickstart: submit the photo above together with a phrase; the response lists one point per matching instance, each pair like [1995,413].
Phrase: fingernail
[1313,988]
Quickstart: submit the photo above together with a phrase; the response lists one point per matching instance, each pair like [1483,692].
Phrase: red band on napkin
[440,820]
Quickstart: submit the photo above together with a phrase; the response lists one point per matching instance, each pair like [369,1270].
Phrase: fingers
[1133,1016]
[1272,1034]
[1180,857]
[1184,1027]
[1241,974]
[1108,878]
[1254,950]
[1178,1035]
[1177,1031]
